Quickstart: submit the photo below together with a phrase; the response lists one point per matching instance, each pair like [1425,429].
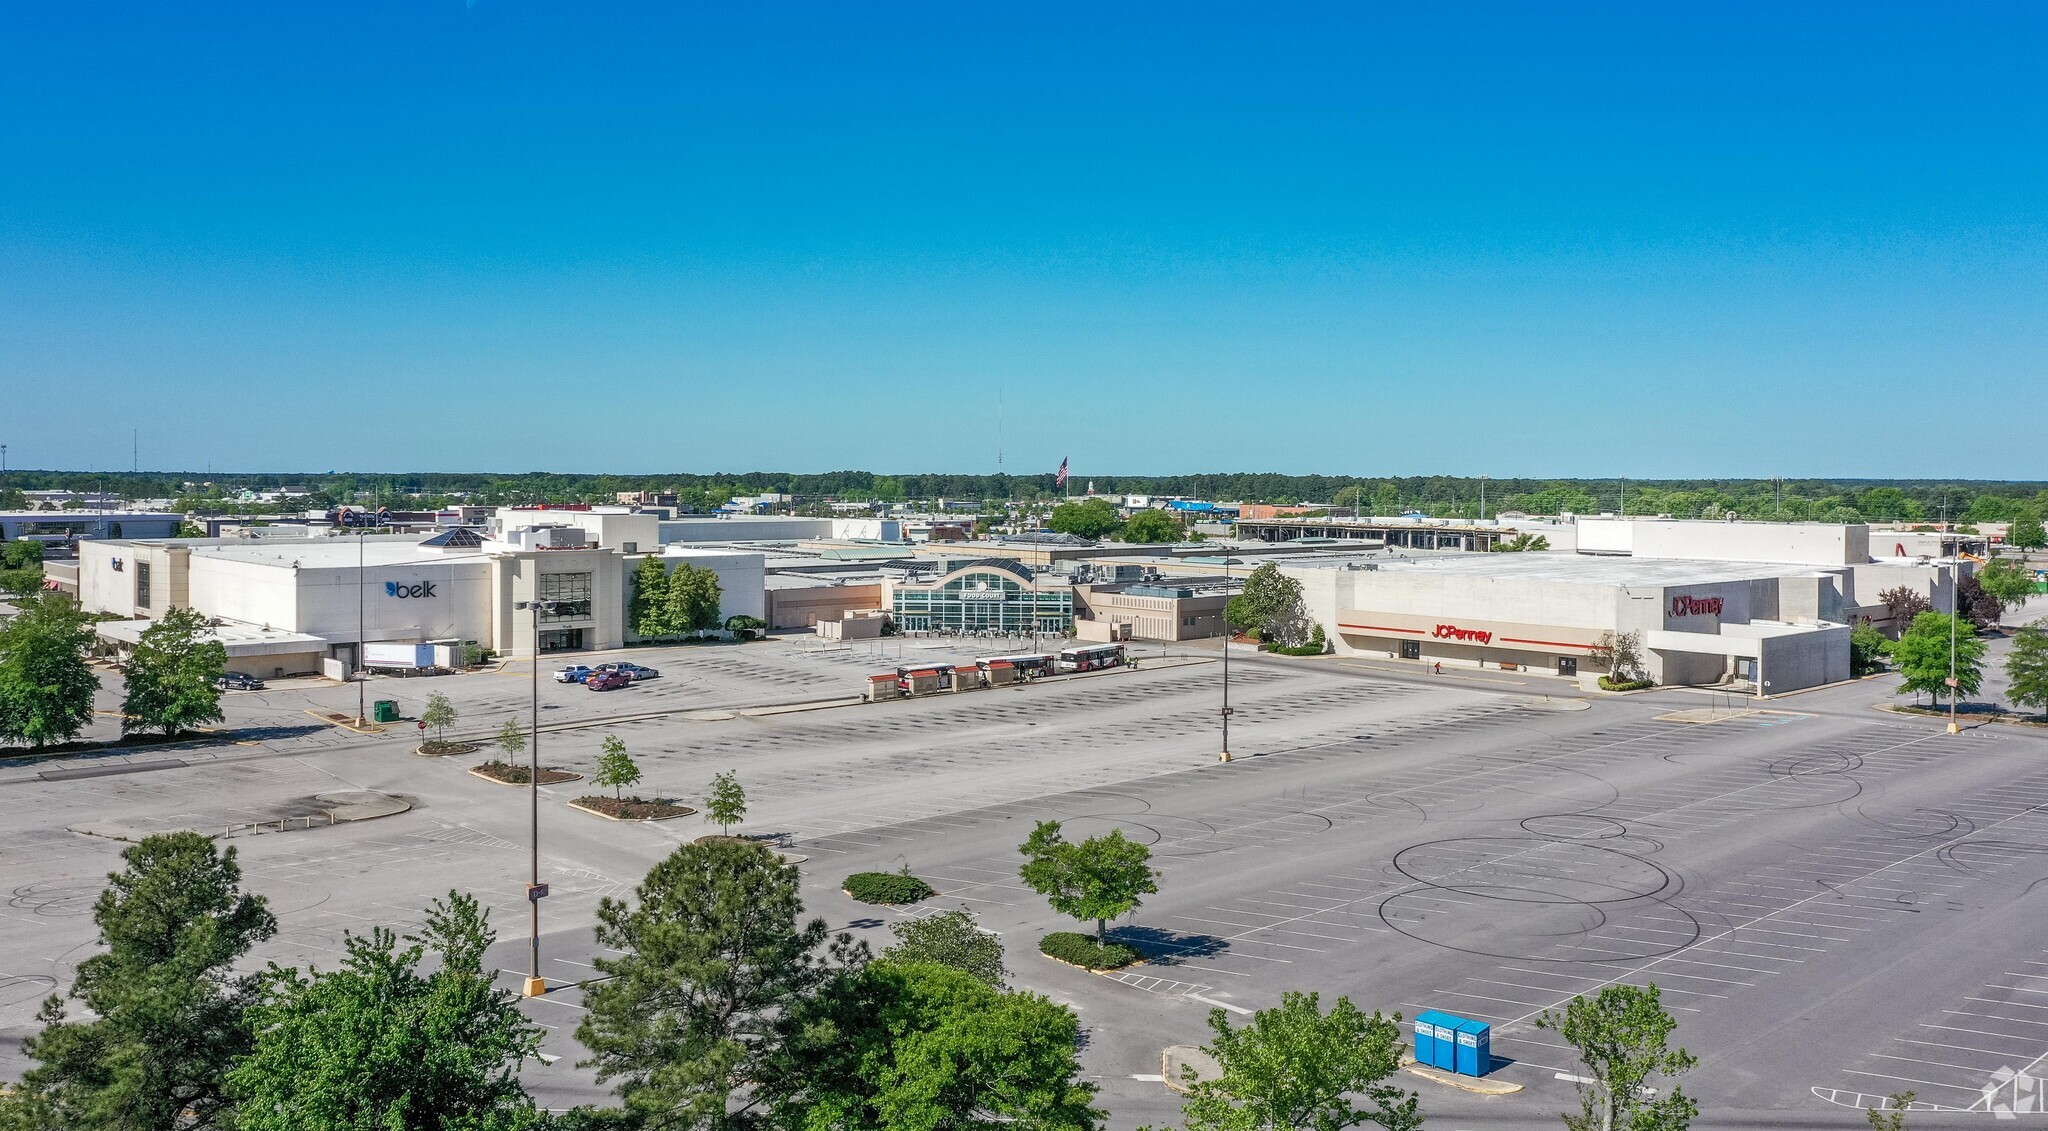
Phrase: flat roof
[334,553]
[1580,569]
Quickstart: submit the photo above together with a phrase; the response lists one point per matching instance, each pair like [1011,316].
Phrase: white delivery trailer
[405,658]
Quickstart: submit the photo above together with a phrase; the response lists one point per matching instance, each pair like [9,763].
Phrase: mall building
[303,607]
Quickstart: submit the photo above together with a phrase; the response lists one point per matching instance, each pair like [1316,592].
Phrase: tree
[2026,532]
[1922,656]
[439,714]
[687,1022]
[693,598]
[1295,1066]
[615,767]
[170,676]
[1090,518]
[1979,607]
[1271,606]
[648,611]
[1100,878]
[2007,582]
[744,627]
[2026,667]
[918,1045]
[1523,543]
[190,530]
[949,938]
[46,687]
[22,553]
[1621,653]
[1890,1115]
[166,1009]
[1867,648]
[1904,604]
[511,739]
[1151,526]
[375,1045]
[727,804]
[1621,1035]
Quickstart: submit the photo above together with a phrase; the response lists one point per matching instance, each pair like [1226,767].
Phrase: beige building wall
[805,608]
[514,579]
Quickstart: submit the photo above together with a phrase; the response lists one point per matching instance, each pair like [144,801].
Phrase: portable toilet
[1425,1035]
[1475,1048]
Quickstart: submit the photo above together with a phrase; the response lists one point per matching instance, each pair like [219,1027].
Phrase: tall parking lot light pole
[1225,755]
[360,689]
[535,890]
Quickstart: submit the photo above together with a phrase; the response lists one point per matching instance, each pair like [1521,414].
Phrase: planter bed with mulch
[505,774]
[631,808]
[435,748]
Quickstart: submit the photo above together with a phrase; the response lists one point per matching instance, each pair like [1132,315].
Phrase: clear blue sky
[1517,239]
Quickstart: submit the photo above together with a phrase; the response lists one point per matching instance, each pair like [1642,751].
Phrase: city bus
[1036,663]
[1093,657]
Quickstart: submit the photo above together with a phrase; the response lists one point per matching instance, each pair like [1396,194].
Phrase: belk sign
[1695,606]
[416,589]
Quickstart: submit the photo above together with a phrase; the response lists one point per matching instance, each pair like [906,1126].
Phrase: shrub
[1607,684]
[887,887]
[1078,949]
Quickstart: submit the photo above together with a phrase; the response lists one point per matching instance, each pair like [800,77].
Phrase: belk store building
[1702,623]
[287,606]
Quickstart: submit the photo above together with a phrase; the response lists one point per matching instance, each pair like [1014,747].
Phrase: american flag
[1060,480]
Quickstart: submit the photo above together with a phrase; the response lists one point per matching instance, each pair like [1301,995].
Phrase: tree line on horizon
[1828,500]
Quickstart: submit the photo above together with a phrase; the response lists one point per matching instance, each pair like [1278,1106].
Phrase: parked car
[633,672]
[574,673]
[237,681]
[606,681]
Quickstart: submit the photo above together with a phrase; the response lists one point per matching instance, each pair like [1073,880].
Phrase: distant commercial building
[989,594]
[1179,608]
[62,528]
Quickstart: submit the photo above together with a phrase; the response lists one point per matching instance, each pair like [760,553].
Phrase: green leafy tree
[1089,518]
[1101,878]
[917,1045]
[688,1021]
[949,938]
[727,804]
[2026,532]
[1922,656]
[166,1009]
[692,599]
[46,687]
[1621,653]
[615,767]
[190,530]
[22,553]
[1867,649]
[375,1045]
[2026,667]
[1152,526]
[2006,581]
[1522,543]
[511,739]
[170,676]
[439,714]
[744,627]
[1270,606]
[21,582]
[1295,1066]
[1622,1036]
[1891,1114]
[648,611]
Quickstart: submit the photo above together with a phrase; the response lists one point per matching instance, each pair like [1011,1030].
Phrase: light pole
[1225,755]
[1955,578]
[535,890]
[360,689]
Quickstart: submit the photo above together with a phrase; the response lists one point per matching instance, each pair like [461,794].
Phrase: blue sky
[1630,239]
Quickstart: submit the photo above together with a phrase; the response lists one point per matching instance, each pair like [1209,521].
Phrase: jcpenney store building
[1703,623]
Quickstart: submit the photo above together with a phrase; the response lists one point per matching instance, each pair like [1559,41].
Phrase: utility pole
[1624,496]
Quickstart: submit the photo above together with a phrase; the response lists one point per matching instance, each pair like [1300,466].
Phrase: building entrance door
[1567,665]
[561,640]
[1411,649]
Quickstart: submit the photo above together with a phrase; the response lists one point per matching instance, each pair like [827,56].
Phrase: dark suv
[237,681]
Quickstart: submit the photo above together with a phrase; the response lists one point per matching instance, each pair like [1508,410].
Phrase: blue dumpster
[1425,1034]
[1475,1048]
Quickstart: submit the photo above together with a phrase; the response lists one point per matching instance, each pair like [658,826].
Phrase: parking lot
[1838,903]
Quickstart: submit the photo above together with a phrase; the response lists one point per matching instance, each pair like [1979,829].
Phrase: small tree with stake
[1100,878]
[512,739]
[615,767]
[439,714]
[727,805]
[1621,1035]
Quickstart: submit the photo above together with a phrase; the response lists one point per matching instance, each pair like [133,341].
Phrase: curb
[686,812]
[524,785]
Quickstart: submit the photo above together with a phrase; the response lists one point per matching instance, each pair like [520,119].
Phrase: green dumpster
[384,711]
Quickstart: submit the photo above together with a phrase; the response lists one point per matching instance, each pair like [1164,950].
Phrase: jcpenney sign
[1695,606]
[416,589]
[1453,632]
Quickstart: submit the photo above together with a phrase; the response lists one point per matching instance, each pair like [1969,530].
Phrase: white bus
[1036,663]
[1093,657]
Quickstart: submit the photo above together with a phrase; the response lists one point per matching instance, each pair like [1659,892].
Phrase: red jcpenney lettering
[1695,606]
[1453,632]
